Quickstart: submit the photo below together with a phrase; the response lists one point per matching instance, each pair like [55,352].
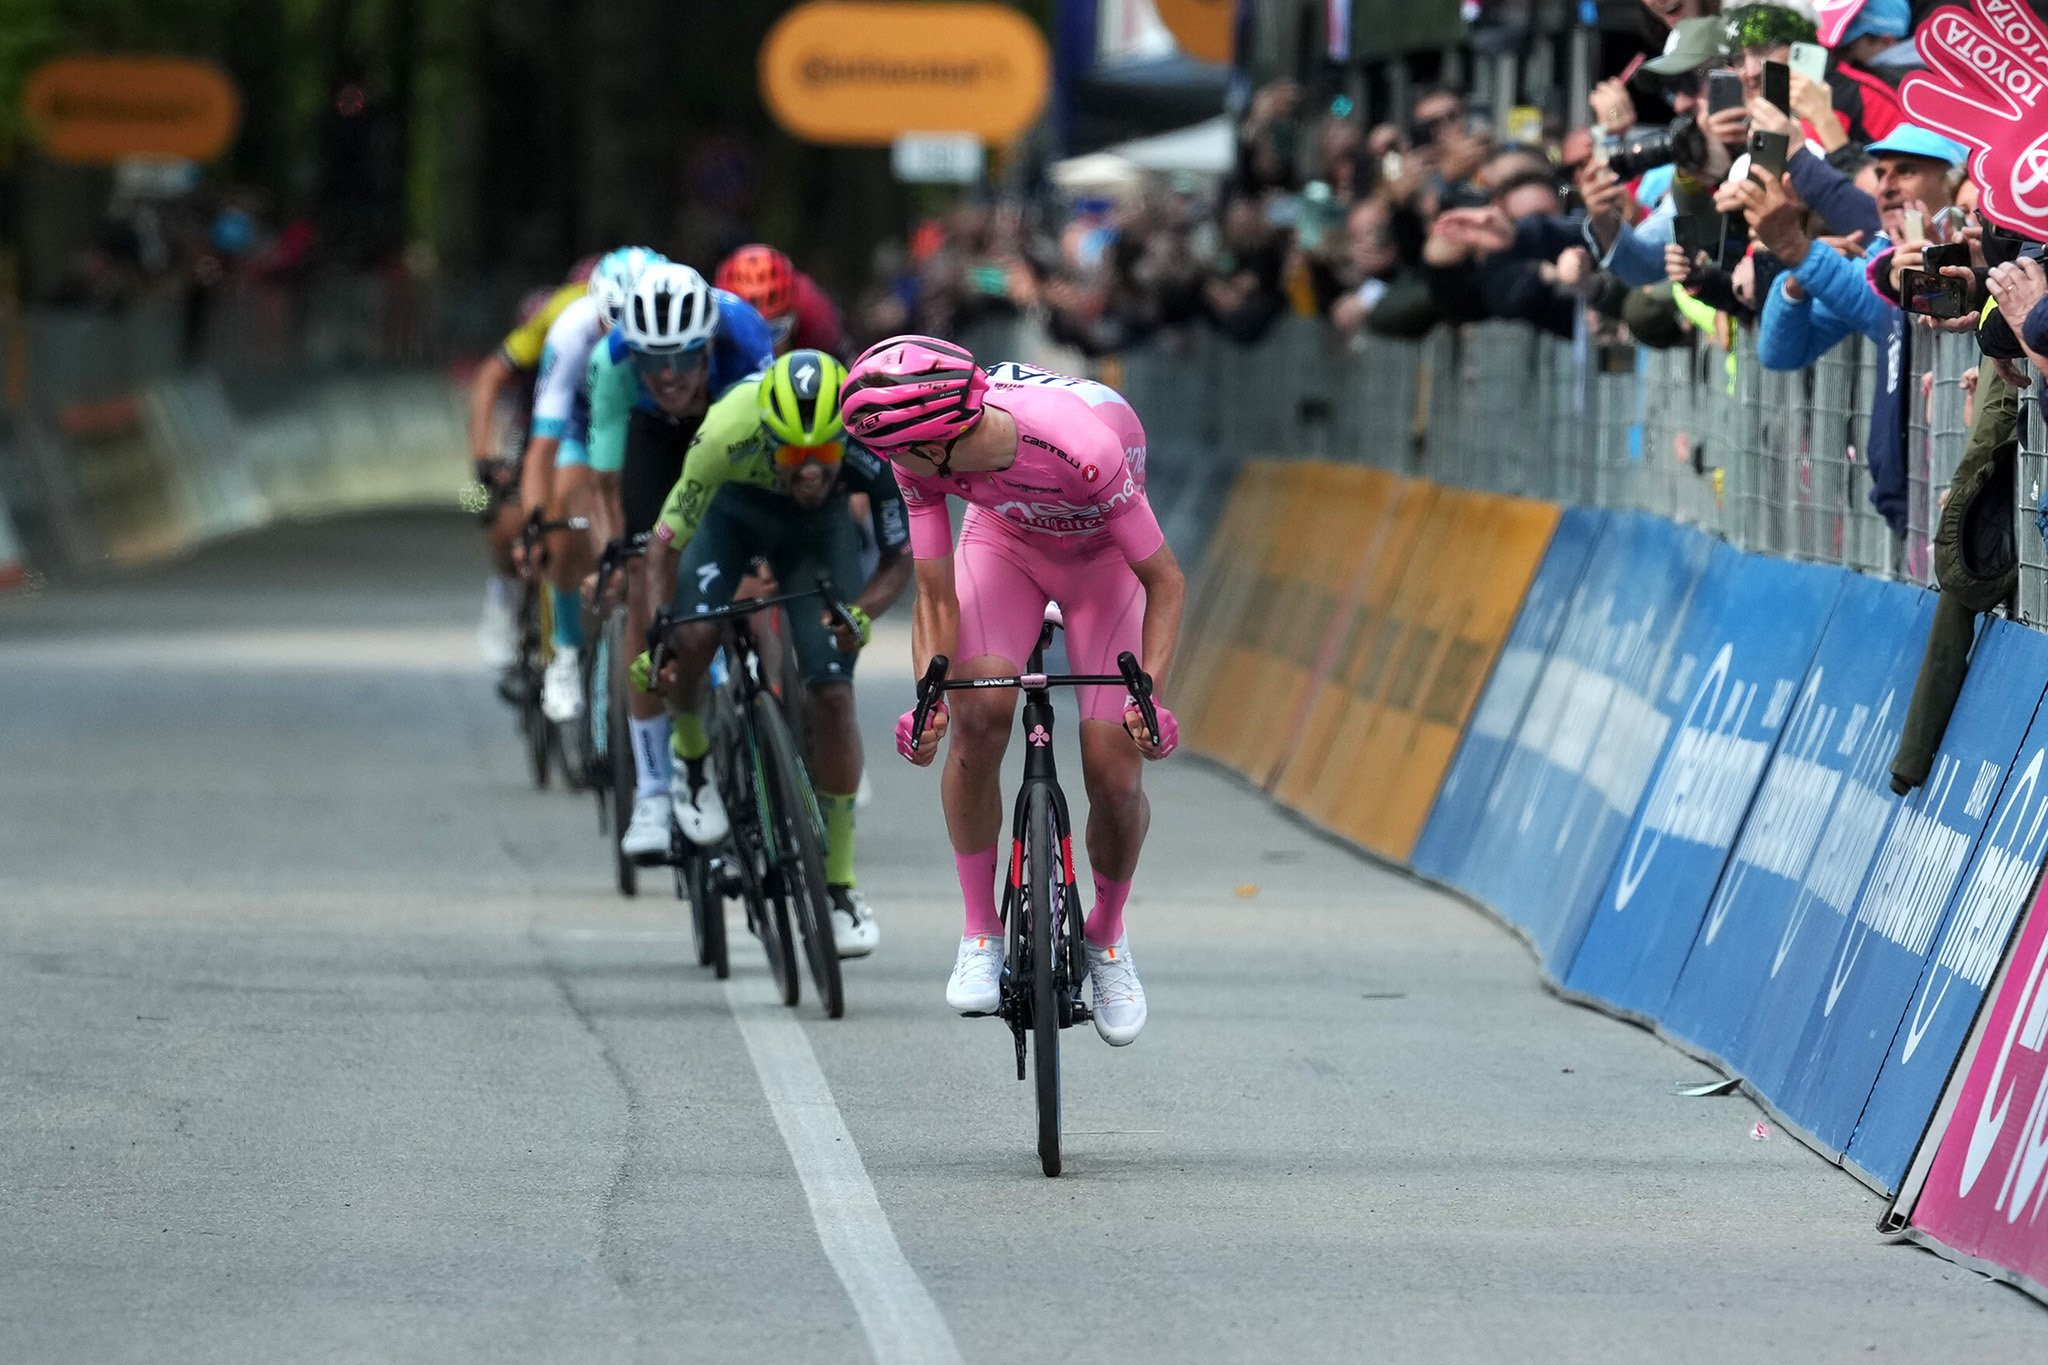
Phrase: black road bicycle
[521,683]
[607,724]
[1044,963]
[774,858]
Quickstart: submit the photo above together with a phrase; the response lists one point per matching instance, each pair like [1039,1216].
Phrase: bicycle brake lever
[1140,684]
[833,606]
[930,688]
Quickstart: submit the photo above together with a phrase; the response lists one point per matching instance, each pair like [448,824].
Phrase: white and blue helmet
[611,283]
[671,311]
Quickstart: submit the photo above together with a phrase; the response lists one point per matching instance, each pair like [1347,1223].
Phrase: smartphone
[1915,229]
[1778,85]
[1724,91]
[1934,296]
[1767,152]
[1941,255]
[1811,61]
[1712,235]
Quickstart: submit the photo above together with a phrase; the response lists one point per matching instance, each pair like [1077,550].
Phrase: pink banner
[1985,1193]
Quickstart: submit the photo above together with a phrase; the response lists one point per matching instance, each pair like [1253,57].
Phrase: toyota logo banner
[1987,74]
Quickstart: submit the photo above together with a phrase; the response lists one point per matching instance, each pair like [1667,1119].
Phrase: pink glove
[904,724]
[1169,728]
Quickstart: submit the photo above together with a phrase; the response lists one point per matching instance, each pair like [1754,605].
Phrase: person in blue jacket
[1823,296]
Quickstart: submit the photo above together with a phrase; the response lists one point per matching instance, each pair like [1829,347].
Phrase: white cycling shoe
[1119,1000]
[561,687]
[646,840]
[976,986]
[699,810]
[497,634]
[854,931]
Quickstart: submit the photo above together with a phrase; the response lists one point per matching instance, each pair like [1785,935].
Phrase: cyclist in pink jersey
[1052,470]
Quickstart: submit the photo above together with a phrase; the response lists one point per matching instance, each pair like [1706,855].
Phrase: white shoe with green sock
[699,809]
[854,930]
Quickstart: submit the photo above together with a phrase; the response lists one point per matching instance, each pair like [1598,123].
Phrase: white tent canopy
[1208,149]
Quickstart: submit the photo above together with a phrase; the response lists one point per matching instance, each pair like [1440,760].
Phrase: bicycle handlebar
[668,618]
[934,685]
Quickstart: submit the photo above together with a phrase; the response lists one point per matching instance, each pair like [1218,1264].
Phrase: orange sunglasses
[796,457]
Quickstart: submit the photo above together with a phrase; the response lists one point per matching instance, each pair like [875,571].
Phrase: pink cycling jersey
[1078,479]
[1064,523]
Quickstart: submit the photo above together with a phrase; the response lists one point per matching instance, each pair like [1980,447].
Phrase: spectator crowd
[1653,224]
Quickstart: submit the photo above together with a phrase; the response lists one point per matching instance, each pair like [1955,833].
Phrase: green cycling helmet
[799,398]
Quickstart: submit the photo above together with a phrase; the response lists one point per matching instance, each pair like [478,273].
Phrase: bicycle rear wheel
[800,848]
[619,752]
[1042,887]
[707,912]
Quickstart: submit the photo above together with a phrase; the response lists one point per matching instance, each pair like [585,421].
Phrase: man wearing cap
[1823,296]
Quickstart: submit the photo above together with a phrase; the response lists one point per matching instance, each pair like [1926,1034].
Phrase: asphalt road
[323,1037]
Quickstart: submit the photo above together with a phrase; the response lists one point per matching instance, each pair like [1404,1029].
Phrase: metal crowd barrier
[1773,461]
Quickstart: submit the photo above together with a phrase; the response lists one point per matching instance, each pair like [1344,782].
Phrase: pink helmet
[910,390]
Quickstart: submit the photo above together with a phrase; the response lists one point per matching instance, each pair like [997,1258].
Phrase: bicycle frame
[1040,774]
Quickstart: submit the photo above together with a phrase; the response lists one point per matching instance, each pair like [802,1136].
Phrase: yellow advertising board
[1338,527]
[1356,643]
[862,74]
[101,110]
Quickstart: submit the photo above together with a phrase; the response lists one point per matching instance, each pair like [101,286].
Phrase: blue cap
[1911,140]
[1883,18]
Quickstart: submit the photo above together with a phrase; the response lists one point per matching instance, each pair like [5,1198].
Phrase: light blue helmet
[611,283]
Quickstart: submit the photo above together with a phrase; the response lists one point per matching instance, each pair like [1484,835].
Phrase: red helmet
[763,277]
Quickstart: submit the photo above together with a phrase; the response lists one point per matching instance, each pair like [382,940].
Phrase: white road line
[902,1322]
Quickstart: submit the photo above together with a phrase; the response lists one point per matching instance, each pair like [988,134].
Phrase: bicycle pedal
[980,1014]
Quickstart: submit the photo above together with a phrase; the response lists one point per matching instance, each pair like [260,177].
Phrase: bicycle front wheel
[754,838]
[1041,905]
[800,850]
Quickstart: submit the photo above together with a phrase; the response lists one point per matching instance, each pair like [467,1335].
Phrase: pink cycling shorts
[1004,583]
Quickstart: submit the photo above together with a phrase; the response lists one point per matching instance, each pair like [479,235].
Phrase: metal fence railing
[1773,461]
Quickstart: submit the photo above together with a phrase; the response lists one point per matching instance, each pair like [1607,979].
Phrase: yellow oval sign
[1202,28]
[100,110]
[865,74]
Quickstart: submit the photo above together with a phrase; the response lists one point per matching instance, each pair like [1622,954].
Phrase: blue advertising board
[1590,732]
[1742,659]
[1440,851]
[1820,814]
[1933,922]
[1567,875]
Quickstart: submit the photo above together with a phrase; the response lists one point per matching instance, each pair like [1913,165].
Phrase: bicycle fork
[1017,911]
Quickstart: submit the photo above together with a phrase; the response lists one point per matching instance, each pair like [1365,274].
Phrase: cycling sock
[978,887]
[690,741]
[1106,922]
[650,756]
[838,812]
[568,610]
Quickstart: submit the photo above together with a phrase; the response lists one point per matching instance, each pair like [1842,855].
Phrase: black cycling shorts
[655,447]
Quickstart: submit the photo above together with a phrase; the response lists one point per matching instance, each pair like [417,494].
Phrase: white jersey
[561,408]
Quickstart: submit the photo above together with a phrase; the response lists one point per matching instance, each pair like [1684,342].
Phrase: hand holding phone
[1724,91]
